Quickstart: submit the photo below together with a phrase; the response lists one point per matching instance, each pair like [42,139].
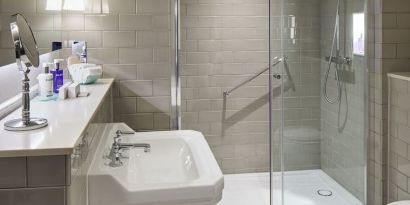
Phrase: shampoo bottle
[58,75]
[45,81]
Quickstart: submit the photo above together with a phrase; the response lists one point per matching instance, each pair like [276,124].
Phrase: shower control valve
[340,60]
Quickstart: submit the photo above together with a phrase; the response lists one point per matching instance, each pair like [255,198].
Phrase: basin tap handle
[119,133]
[116,160]
[117,154]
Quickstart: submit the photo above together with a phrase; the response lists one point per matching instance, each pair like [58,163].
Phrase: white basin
[179,170]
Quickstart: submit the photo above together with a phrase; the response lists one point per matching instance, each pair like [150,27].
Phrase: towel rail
[276,60]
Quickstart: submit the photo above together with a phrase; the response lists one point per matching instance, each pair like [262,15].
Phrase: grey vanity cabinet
[54,179]
[50,180]
[33,180]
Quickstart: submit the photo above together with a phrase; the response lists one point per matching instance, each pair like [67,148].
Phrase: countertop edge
[53,151]
[37,152]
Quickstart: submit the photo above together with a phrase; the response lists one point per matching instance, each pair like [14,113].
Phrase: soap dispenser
[45,81]
[58,75]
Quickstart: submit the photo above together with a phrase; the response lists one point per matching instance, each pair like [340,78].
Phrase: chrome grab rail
[276,60]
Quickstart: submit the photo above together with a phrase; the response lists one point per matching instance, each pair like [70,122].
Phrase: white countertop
[400,75]
[67,119]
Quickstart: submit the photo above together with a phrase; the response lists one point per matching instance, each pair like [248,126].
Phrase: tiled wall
[130,39]
[376,192]
[394,55]
[399,139]
[301,85]
[223,43]
[391,39]
[151,78]
[226,42]
[343,124]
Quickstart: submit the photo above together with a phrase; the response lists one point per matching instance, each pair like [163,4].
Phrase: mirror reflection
[56,24]
[25,44]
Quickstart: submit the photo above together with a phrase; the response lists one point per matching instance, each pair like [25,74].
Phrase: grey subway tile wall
[343,124]
[223,43]
[391,39]
[376,192]
[226,42]
[399,140]
[392,128]
[301,84]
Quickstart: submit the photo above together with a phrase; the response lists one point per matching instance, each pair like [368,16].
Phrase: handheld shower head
[335,42]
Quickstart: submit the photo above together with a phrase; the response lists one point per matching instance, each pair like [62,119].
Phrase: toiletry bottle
[58,75]
[83,55]
[45,81]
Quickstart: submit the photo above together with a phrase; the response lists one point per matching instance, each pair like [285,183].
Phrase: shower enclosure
[278,88]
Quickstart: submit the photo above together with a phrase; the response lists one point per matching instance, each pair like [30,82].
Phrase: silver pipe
[276,60]
[175,119]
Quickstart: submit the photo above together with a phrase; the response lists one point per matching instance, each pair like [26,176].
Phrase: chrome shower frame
[175,118]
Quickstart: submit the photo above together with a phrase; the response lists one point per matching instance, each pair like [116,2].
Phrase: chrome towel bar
[276,61]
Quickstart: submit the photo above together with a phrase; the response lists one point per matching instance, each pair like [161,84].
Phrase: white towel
[85,73]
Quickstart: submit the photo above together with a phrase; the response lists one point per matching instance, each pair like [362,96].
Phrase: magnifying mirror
[27,56]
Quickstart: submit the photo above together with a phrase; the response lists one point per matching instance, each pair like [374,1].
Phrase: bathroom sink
[179,169]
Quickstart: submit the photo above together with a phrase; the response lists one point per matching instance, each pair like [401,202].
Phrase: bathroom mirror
[27,57]
[55,23]
[24,42]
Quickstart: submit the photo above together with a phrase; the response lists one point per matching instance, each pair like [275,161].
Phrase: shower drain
[323,192]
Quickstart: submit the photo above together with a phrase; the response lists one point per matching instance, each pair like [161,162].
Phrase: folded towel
[85,73]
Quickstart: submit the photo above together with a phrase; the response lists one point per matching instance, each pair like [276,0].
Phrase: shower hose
[339,90]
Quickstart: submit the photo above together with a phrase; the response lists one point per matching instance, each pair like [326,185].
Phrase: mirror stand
[27,54]
[25,122]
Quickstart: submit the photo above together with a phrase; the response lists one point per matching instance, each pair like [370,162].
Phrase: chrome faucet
[117,146]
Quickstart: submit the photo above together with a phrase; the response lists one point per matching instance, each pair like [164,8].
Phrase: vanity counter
[67,120]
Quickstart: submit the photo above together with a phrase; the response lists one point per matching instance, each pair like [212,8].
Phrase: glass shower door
[276,81]
[318,107]
[301,99]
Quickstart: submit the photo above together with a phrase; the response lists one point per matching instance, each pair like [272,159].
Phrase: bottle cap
[46,67]
[57,63]
[58,60]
